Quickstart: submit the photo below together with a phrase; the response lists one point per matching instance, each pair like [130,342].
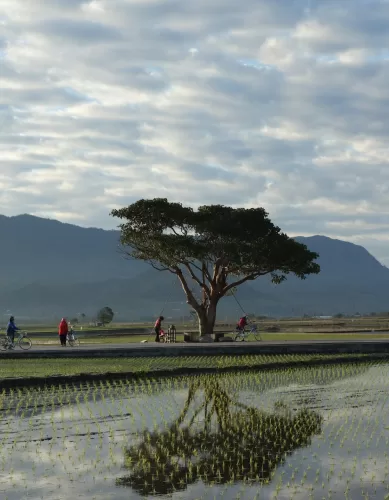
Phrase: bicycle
[242,335]
[22,341]
[72,340]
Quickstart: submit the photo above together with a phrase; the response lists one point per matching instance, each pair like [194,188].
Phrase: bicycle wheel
[238,337]
[25,343]
[74,343]
[257,335]
[3,344]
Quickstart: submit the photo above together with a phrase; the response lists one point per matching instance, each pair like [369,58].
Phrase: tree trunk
[205,309]
[202,317]
[207,318]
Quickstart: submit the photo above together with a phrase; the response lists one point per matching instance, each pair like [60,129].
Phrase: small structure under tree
[216,247]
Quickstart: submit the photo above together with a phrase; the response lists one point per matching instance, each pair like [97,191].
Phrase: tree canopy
[105,315]
[216,246]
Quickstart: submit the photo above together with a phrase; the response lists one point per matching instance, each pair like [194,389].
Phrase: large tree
[216,247]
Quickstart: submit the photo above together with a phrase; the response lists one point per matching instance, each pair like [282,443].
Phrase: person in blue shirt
[11,329]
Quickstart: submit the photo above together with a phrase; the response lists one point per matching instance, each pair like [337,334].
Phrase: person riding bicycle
[11,329]
[242,323]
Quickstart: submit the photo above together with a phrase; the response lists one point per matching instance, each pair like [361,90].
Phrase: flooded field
[319,432]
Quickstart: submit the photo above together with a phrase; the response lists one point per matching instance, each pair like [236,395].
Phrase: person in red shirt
[158,327]
[63,331]
[242,323]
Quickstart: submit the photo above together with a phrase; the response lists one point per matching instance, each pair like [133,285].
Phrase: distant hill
[43,251]
[49,269]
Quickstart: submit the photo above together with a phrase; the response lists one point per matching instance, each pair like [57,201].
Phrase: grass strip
[266,337]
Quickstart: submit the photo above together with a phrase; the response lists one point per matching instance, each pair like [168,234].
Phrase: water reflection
[218,440]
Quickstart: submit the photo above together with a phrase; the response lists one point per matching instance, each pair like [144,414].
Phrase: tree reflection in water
[233,443]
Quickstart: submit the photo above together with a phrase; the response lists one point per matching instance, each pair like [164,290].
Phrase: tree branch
[196,279]
[184,231]
[191,298]
[124,253]
[202,269]
[152,262]
[216,268]
[206,272]
[175,232]
[160,268]
[195,265]
[249,277]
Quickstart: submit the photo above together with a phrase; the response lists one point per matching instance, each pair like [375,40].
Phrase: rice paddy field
[41,368]
[299,432]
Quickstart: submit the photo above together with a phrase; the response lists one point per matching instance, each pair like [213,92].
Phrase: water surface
[319,432]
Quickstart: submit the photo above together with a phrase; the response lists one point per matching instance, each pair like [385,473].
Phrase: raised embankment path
[145,332]
[152,349]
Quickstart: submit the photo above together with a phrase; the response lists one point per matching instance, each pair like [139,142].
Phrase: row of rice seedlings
[242,445]
[17,399]
[46,368]
[153,473]
[358,435]
[78,428]
[74,437]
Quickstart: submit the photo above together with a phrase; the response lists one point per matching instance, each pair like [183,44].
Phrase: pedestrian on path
[158,328]
[63,331]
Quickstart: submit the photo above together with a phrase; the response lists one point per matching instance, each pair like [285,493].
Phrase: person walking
[11,329]
[158,327]
[63,331]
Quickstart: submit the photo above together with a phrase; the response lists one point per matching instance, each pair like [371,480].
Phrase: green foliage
[105,315]
[74,321]
[244,242]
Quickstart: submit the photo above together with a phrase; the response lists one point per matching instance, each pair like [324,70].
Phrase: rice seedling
[11,368]
[307,432]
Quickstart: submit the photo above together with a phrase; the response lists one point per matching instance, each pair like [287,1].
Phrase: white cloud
[282,104]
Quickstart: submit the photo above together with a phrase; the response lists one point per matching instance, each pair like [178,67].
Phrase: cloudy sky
[277,103]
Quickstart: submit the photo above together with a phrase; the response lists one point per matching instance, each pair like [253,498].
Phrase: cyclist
[242,323]
[158,328]
[11,329]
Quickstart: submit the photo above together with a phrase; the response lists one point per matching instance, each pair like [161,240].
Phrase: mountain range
[50,269]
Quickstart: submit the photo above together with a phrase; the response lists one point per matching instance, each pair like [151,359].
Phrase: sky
[282,104]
